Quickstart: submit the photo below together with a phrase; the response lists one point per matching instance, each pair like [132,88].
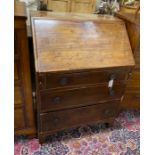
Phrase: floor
[122,139]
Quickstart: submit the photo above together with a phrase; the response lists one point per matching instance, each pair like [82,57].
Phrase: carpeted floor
[122,139]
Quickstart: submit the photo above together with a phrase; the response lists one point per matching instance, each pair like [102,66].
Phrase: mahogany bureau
[82,64]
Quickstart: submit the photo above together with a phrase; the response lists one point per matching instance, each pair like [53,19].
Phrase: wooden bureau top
[64,42]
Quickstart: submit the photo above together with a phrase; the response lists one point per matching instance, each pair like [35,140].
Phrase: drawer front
[73,117]
[19,122]
[80,78]
[61,99]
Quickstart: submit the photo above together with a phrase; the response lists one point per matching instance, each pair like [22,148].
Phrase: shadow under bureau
[82,64]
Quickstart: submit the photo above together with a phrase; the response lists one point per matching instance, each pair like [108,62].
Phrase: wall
[32,5]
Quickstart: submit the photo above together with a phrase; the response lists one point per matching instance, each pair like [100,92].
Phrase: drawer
[55,80]
[73,117]
[19,119]
[61,99]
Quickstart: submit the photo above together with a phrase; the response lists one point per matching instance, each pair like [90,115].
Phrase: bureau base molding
[53,122]
[43,136]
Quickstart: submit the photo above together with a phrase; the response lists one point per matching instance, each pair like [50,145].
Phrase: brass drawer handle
[55,120]
[64,81]
[57,100]
[108,112]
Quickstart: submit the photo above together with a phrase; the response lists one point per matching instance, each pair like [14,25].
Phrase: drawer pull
[55,120]
[108,112]
[110,85]
[64,81]
[57,100]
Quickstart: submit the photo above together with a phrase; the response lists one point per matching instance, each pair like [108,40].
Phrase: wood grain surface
[71,43]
